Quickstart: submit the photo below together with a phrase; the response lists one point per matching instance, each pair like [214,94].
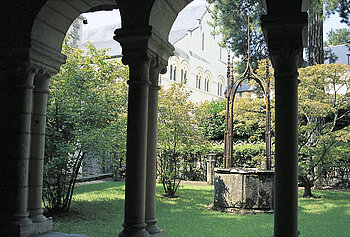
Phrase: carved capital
[286,61]
[135,42]
[285,35]
[42,81]
[157,66]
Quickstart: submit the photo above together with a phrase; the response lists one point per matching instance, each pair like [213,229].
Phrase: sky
[101,18]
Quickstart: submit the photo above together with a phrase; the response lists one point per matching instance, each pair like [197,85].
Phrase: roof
[342,53]
[102,37]
[187,19]
[243,87]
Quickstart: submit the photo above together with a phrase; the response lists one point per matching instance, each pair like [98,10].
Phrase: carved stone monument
[243,190]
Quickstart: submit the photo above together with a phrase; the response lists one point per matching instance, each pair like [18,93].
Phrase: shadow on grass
[98,209]
[326,216]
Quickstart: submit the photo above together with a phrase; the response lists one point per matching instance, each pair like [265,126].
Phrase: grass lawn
[97,210]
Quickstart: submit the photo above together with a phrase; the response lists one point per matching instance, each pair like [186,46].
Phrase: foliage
[248,155]
[338,36]
[324,102]
[177,133]
[97,212]
[340,6]
[230,19]
[211,120]
[87,110]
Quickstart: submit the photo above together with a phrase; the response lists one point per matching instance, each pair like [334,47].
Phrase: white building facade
[199,62]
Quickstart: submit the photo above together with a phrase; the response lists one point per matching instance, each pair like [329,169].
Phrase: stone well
[243,190]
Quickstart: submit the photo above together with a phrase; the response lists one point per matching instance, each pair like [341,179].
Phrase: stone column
[284,36]
[210,168]
[136,153]
[16,91]
[36,162]
[150,204]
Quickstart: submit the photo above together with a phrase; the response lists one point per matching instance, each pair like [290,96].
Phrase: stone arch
[199,77]
[185,70]
[220,88]
[207,80]
[55,18]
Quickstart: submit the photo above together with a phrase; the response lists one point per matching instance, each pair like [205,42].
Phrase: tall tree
[315,25]
[324,96]
[231,20]
[87,109]
[177,132]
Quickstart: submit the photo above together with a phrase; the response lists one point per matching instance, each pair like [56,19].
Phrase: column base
[31,229]
[153,229]
[298,233]
[134,230]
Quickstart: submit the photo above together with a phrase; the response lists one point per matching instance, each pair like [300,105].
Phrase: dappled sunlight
[98,210]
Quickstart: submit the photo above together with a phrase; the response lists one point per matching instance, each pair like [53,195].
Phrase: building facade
[199,62]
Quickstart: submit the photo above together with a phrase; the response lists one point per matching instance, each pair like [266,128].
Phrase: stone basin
[243,190]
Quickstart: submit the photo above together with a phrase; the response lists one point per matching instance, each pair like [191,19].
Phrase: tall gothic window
[206,84]
[174,76]
[198,81]
[203,41]
[220,89]
[171,72]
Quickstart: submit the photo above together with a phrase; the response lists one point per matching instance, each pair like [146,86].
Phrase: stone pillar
[136,153]
[150,204]
[284,35]
[210,168]
[16,91]
[36,162]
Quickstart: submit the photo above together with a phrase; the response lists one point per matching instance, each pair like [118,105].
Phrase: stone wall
[243,189]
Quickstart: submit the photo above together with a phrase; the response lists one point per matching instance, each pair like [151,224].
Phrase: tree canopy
[338,36]
[231,20]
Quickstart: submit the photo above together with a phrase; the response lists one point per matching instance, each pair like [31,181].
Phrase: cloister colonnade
[30,43]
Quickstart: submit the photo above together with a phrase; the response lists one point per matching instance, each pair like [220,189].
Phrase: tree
[338,36]
[323,96]
[211,119]
[177,133]
[231,20]
[87,109]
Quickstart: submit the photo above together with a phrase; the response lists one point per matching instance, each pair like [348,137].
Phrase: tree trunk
[315,50]
[307,190]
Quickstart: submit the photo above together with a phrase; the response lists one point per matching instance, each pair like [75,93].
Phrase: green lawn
[97,211]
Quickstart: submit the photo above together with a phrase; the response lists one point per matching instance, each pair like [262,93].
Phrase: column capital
[142,42]
[286,35]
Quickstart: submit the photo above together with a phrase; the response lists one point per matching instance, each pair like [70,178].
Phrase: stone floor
[58,234]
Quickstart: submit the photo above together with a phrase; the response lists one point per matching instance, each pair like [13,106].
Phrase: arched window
[198,81]
[171,72]
[174,75]
[220,88]
[206,84]
[184,75]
